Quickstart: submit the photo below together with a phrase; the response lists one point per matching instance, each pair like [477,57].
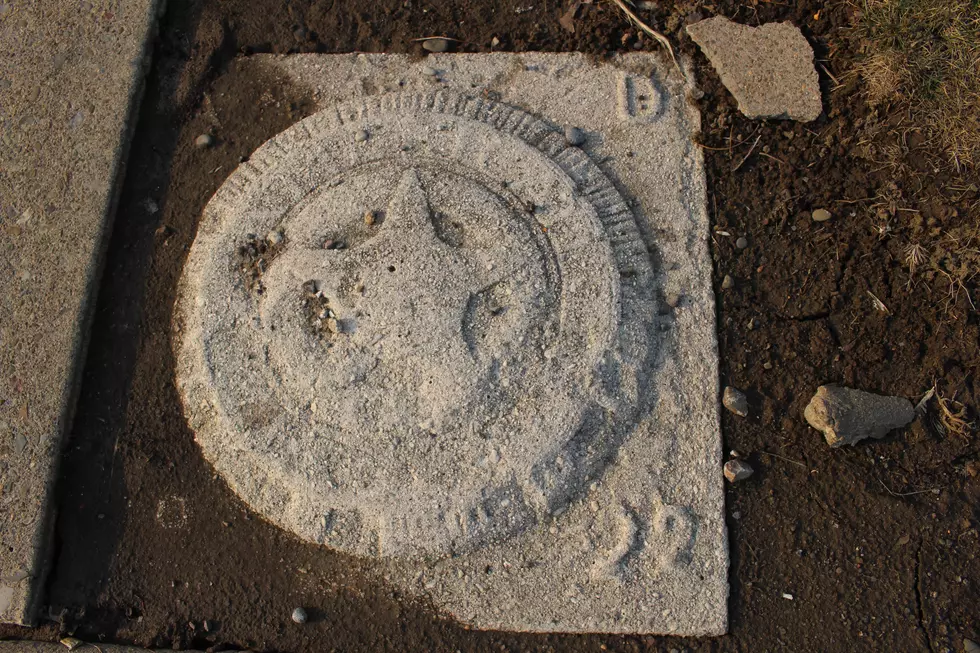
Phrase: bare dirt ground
[877,544]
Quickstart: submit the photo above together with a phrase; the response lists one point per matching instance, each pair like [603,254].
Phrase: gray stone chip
[735,401]
[846,416]
[737,470]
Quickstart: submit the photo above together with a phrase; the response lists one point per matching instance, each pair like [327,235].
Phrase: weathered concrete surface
[847,416]
[70,74]
[24,646]
[484,387]
[769,69]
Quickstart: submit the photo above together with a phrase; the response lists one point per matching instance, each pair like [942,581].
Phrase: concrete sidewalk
[82,647]
[71,75]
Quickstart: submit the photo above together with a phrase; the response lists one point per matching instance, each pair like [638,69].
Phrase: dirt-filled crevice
[871,548]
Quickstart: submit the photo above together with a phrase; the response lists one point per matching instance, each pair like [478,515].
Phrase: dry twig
[649,31]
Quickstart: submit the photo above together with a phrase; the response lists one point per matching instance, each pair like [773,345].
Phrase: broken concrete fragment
[769,69]
[845,415]
[737,470]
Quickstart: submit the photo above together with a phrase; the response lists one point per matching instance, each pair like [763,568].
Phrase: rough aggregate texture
[70,76]
[496,360]
[769,69]
[846,416]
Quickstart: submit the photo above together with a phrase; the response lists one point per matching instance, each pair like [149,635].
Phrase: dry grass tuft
[882,73]
[926,53]
[953,416]
[915,255]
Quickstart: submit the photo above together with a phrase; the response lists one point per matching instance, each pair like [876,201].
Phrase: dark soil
[877,544]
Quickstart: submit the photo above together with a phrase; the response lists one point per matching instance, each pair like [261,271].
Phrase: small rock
[437,45]
[574,136]
[370,217]
[646,5]
[275,237]
[738,470]
[300,616]
[494,42]
[742,242]
[673,299]
[361,136]
[969,646]
[846,416]
[727,283]
[429,71]
[735,401]
[821,215]
[204,140]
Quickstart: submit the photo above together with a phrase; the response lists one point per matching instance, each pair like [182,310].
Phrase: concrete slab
[70,75]
[461,321]
[25,646]
[769,69]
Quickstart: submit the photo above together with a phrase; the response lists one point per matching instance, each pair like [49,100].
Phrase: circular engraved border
[560,476]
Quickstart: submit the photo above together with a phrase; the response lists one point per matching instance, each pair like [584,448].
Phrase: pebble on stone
[574,136]
[735,401]
[727,283]
[821,215]
[738,470]
[437,45]
[204,140]
[361,136]
[429,71]
[300,616]
[274,237]
[742,242]
[846,416]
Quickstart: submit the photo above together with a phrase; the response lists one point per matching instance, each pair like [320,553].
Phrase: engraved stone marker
[420,326]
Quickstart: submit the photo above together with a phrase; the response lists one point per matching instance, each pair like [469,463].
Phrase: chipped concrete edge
[24,604]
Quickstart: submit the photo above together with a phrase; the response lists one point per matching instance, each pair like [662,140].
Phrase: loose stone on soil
[204,140]
[574,136]
[361,136]
[437,45]
[846,416]
[738,470]
[741,242]
[735,401]
[299,616]
[769,69]
[727,283]
[821,215]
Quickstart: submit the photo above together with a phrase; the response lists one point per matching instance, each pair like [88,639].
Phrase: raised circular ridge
[557,476]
